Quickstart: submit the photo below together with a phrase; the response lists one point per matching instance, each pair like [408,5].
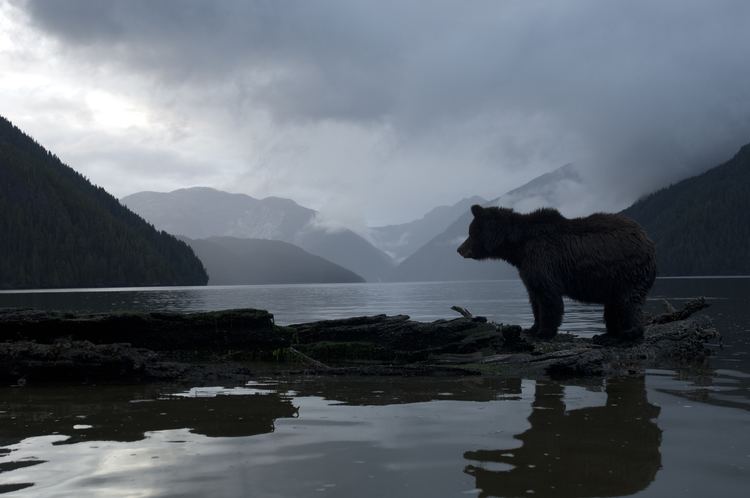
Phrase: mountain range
[700,225]
[59,230]
[425,248]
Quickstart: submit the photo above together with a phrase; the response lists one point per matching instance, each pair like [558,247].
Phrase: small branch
[690,307]
[462,311]
[668,308]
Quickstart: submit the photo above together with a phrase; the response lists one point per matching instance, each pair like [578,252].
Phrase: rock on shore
[40,346]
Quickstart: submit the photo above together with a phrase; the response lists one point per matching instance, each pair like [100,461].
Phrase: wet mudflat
[681,433]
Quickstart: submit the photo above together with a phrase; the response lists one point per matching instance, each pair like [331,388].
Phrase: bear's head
[492,231]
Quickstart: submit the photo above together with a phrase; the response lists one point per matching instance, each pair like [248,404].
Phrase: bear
[601,259]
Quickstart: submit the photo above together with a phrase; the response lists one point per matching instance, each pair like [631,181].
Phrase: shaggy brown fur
[602,258]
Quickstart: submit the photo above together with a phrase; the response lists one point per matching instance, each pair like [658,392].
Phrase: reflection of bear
[610,450]
[603,258]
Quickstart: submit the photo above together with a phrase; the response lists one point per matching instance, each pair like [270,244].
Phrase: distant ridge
[202,212]
[233,261]
[58,230]
[701,225]
[402,240]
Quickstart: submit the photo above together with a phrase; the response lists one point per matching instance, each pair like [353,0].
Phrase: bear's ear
[476,210]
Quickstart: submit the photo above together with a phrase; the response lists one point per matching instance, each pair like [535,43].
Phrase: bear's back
[550,224]
[599,223]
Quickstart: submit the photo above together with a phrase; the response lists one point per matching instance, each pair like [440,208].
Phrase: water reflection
[610,450]
[371,437]
[127,414]
[381,391]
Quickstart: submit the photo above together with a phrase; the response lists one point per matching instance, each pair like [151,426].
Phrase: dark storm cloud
[650,90]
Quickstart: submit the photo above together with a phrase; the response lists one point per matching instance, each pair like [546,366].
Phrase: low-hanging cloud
[434,100]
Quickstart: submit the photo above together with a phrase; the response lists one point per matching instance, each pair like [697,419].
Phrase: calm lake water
[667,433]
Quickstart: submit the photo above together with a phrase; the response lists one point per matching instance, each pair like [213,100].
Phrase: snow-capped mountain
[438,260]
[562,189]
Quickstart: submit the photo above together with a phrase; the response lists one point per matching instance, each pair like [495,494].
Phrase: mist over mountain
[201,212]
[402,240]
[701,225]
[234,261]
[59,230]
[438,259]
[563,188]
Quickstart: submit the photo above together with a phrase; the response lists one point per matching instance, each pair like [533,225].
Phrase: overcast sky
[377,111]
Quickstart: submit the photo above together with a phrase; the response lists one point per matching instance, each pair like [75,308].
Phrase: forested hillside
[59,230]
[233,261]
[701,225]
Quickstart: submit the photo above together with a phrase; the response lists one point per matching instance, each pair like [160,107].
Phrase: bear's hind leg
[623,321]
[613,319]
[632,321]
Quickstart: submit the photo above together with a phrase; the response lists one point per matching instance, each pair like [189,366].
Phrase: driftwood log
[398,345]
[226,345]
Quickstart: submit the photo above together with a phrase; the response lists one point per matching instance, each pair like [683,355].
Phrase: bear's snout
[465,249]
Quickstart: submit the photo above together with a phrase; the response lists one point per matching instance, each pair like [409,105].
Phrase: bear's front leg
[534,301]
[550,312]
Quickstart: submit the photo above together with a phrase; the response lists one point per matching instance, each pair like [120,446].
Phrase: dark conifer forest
[701,225]
[58,230]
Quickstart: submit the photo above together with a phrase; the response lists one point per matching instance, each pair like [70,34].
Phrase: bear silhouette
[603,259]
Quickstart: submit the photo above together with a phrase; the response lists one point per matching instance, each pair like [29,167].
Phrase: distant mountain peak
[563,188]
